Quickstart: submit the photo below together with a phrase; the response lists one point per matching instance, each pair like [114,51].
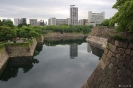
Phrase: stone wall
[25,49]
[115,69]
[103,32]
[40,39]
[3,59]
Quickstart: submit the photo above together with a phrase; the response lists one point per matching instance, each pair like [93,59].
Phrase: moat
[55,64]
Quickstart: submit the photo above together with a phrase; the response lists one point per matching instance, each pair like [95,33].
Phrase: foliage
[105,22]
[124,15]
[68,29]
[6,33]
[1,45]
[118,38]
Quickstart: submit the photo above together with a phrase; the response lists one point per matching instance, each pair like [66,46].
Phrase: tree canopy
[124,16]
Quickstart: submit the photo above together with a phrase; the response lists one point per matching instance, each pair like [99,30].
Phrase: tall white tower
[73,15]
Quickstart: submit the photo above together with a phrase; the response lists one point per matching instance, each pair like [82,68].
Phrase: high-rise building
[73,51]
[33,22]
[52,21]
[73,15]
[23,20]
[41,23]
[17,21]
[95,18]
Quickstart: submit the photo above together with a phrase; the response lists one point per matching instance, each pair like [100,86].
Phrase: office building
[82,22]
[17,21]
[95,18]
[73,15]
[61,21]
[23,20]
[68,21]
[73,51]
[33,22]
[52,21]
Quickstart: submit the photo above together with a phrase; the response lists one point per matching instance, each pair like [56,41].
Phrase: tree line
[9,32]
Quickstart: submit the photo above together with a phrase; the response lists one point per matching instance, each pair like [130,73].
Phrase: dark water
[56,64]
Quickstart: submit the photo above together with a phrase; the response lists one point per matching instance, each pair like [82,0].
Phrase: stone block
[102,64]
[128,72]
[123,34]
[122,58]
[103,57]
[112,59]
[114,69]
[128,58]
[118,43]
[132,75]
[118,56]
[113,41]
[129,35]
[113,48]
[130,46]
[110,65]
[109,40]
[109,55]
[123,69]
[116,62]
[127,65]
[120,65]
[125,44]
[106,51]
[127,51]
[119,73]
[131,54]
[120,50]
[106,61]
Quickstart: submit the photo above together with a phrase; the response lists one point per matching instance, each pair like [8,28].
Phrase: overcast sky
[44,9]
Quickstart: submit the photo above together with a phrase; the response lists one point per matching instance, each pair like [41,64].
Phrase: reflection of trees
[38,49]
[64,42]
[26,63]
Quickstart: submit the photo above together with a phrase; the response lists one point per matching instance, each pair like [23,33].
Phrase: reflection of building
[88,48]
[73,51]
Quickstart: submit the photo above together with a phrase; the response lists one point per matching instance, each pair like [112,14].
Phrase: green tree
[124,16]
[105,22]
[6,33]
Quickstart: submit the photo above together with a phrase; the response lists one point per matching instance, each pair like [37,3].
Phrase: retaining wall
[17,50]
[3,59]
[115,69]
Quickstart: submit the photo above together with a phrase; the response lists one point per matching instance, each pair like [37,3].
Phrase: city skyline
[45,9]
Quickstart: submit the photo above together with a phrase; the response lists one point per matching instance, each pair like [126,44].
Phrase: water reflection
[89,50]
[95,50]
[14,64]
[73,51]
[55,69]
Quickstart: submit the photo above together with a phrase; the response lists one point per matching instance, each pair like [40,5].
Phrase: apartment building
[33,22]
[95,18]
[73,15]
